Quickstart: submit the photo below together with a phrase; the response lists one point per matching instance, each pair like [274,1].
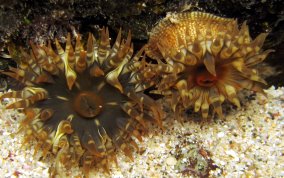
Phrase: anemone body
[79,103]
[204,60]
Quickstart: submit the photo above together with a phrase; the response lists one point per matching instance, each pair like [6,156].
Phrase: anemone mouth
[88,104]
[203,78]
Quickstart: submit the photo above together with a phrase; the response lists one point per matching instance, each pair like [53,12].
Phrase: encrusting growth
[79,103]
[204,60]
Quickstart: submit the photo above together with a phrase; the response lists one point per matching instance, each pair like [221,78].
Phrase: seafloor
[248,142]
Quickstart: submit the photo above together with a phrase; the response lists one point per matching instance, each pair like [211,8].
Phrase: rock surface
[39,21]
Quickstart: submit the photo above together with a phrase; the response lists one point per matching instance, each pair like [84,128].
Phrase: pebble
[221,134]
[171,161]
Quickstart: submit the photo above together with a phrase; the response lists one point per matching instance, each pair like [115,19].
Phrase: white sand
[249,142]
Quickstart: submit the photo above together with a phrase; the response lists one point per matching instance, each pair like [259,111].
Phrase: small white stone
[171,161]
[233,154]
[5,153]
[220,134]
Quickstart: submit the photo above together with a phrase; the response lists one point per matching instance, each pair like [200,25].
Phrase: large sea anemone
[79,102]
[204,60]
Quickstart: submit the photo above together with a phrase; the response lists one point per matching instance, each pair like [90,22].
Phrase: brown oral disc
[88,104]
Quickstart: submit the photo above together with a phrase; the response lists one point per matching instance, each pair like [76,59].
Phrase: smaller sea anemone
[203,60]
[79,103]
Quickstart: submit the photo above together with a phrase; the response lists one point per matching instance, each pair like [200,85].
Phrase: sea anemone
[79,103]
[204,60]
